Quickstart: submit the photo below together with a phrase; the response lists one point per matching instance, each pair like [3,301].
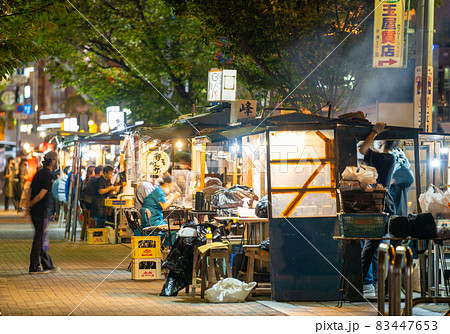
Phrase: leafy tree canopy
[278,44]
[27,31]
[136,54]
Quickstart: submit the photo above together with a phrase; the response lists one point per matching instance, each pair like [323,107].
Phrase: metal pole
[399,253]
[430,268]
[436,268]
[408,278]
[424,89]
[381,270]
[420,243]
[77,193]
[69,201]
[391,258]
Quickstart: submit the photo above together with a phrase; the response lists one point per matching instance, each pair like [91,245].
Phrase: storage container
[146,269]
[362,225]
[362,201]
[145,247]
[97,236]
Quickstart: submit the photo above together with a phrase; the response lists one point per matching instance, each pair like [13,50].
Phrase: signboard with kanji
[155,162]
[242,109]
[418,98]
[221,85]
[388,33]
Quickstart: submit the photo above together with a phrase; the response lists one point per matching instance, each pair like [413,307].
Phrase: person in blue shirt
[157,202]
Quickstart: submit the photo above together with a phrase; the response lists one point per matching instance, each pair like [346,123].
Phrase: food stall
[300,159]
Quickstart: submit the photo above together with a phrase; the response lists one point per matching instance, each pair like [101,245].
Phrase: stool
[211,267]
[254,252]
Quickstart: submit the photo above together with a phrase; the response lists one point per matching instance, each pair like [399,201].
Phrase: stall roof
[357,128]
[190,127]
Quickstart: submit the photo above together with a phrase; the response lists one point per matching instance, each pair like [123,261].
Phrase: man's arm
[38,197]
[376,130]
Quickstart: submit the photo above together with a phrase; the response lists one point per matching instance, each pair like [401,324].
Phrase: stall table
[255,230]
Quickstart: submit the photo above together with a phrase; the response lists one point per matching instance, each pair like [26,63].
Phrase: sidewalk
[94,281]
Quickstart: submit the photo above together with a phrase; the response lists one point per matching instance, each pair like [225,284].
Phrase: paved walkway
[94,281]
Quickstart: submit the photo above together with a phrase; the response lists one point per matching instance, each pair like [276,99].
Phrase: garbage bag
[265,245]
[225,199]
[229,290]
[435,202]
[423,226]
[261,207]
[173,284]
[399,227]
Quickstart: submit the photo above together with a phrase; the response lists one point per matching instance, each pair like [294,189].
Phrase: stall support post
[77,194]
[396,280]
[408,278]
[391,255]
[69,201]
[421,243]
[381,273]
[202,166]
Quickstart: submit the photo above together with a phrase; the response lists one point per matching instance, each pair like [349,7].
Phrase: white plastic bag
[229,290]
[366,175]
[435,202]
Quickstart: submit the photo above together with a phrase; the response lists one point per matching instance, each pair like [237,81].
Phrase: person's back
[144,189]
[89,191]
[62,189]
[55,187]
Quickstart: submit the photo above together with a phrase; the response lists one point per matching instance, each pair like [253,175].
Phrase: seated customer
[103,189]
[157,202]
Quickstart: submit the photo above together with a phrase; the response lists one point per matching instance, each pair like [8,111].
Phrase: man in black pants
[384,162]
[38,206]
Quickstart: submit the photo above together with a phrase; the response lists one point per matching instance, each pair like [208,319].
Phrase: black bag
[261,207]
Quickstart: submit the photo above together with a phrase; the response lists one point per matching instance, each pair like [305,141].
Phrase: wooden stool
[85,223]
[211,267]
[254,252]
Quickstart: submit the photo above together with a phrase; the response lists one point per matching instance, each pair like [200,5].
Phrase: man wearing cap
[38,206]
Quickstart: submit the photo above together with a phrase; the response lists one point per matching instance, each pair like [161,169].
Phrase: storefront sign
[221,85]
[155,162]
[418,98]
[388,34]
[242,109]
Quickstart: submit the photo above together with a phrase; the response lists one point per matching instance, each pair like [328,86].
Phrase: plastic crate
[146,247]
[354,201]
[146,269]
[362,225]
[97,236]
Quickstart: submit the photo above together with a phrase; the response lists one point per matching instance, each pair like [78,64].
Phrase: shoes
[54,269]
[369,291]
[39,271]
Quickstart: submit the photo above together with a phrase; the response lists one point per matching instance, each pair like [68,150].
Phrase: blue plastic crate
[361,225]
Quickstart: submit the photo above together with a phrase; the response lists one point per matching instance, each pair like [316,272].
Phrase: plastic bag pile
[363,178]
[435,202]
[229,290]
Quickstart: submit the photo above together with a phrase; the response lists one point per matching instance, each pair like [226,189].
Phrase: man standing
[9,174]
[103,190]
[38,206]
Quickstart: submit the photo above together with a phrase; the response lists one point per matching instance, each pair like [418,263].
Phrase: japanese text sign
[388,33]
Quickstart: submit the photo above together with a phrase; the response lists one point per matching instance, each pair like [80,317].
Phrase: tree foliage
[27,31]
[312,51]
[135,54]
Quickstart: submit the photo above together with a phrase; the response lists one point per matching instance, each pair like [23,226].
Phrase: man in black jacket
[38,206]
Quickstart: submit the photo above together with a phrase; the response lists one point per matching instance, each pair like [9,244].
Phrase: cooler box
[146,247]
[146,269]
[97,236]
[360,225]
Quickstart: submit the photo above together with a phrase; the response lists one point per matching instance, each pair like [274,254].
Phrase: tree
[136,54]
[279,45]
[23,25]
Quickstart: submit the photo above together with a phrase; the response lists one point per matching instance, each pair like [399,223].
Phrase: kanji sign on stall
[388,33]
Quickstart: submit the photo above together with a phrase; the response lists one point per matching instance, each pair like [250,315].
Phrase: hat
[51,155]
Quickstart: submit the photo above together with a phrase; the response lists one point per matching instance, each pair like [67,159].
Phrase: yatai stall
[297,160]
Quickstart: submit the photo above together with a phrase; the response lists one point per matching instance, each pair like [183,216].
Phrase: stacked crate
[97,236]
[146,258]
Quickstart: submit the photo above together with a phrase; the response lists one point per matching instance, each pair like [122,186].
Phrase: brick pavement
[80,288]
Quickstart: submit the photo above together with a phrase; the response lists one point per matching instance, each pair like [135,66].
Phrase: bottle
[209,239]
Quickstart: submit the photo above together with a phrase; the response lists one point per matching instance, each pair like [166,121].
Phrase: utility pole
[425,23]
